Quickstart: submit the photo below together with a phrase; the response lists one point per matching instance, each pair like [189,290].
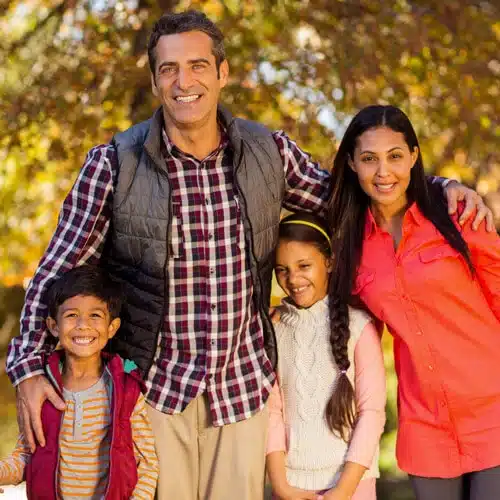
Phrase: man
[184,209]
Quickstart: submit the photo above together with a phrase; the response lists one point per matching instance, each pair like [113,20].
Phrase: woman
[437,287]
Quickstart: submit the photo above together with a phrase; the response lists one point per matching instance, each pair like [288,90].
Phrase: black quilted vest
[137,248]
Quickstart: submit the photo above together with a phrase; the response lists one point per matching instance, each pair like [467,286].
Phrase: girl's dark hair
[347,207]
[339,411]
[88,281]
[183,22]
[291,230]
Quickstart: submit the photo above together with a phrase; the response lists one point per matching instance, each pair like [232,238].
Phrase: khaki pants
[202,462]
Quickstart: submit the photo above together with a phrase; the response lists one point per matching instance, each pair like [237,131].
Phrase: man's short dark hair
[89,281]
[183,22]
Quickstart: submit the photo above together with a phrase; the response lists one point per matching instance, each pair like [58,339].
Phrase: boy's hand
[31,394]
[456,192]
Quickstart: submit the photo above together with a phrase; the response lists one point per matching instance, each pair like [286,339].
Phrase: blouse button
[431,367]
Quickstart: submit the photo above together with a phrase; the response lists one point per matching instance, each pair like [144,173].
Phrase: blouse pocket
[363,279]
[437,253]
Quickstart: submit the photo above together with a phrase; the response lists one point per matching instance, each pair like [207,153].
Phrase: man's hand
[31,394]
[456,192]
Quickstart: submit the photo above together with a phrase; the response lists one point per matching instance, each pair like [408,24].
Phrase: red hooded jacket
[42,470]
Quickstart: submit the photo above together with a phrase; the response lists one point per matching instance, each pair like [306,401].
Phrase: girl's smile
[302,272]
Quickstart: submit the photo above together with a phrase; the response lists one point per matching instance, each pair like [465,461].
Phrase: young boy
[102,445]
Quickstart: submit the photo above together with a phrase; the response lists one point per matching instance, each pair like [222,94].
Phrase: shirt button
[213,342]
[212,270]
[210,236]
[213,307]
[207,201]
[430,367]
[418,332]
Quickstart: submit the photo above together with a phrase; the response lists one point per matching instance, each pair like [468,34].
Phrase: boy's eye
[96,315]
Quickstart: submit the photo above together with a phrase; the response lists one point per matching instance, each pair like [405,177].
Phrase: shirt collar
[413,213]
[172,150]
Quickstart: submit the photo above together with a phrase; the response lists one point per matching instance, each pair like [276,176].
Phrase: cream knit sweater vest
[307,374]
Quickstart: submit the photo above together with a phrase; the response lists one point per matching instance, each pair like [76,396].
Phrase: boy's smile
[83,326]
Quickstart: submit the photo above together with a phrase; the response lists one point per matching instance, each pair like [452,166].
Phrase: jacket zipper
[113,423]
[56,472]
[261,303]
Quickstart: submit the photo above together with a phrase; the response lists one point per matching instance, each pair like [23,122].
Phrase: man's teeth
[188,98]
[83,340]
[385,187]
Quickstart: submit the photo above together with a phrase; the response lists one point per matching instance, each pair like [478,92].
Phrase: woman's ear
[52,326]
[414,156]
[350,162]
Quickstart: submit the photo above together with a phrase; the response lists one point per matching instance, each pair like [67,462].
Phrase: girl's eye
[280,270]
[305,266]
[395,156]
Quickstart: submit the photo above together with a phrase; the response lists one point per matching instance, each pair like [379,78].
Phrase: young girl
[436,284]
[327,408]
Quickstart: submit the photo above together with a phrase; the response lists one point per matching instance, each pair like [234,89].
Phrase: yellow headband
[313,225]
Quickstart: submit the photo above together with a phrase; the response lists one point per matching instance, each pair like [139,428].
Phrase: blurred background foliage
[73,72]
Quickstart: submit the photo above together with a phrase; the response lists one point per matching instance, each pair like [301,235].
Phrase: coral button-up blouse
[446,328]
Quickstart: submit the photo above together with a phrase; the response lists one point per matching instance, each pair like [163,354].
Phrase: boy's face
[83,326]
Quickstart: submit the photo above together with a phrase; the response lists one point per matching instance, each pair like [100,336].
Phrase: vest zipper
[56,472]
[113,423]
[165,266]
[261,307]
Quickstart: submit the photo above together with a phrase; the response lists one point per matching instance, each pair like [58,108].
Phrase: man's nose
[184,79]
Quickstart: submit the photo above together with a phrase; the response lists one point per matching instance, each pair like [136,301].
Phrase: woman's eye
[396,156]
[367,158]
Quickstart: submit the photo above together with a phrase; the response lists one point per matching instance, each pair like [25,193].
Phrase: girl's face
[302,272]
[383,162]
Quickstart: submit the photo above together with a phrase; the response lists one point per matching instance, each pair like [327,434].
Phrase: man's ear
[113,327]
[154,88]
[52,326]
[223,73]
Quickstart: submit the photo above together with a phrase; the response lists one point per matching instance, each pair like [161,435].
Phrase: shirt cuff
[25,369]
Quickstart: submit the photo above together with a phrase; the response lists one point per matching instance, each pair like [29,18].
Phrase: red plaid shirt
[213,338]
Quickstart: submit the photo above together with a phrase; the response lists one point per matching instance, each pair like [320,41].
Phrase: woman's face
[383,162]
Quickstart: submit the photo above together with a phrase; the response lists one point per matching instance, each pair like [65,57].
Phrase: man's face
[186,79]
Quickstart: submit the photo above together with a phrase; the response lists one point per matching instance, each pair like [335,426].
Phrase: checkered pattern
[213,337]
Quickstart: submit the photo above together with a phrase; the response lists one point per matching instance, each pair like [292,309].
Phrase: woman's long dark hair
[347,207]
[340,409]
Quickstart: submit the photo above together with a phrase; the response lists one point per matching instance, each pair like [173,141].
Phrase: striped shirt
[84,446]
[212,340]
